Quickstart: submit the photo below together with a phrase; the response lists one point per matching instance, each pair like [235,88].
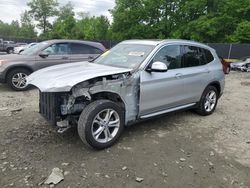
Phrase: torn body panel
[123,88]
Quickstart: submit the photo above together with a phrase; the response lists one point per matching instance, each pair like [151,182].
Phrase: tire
[89,123]
[10,51]
[203,106]
[19,75]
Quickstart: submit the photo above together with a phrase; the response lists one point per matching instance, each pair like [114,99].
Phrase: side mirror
[44,54]
[158,67]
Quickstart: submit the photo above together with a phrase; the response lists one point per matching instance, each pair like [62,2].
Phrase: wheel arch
[217,85]
[17,67]
[115,97]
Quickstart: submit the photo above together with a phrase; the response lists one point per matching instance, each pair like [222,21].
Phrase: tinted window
[195,56]
[76,48]
[170,55]
[191,56]
[208,55]
[57,49]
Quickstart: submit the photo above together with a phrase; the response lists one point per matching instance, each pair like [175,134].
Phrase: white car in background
[240,65]
[19,49]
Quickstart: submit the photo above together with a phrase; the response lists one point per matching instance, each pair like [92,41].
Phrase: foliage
[242,33]
[64,25]
[27,29]
[200,20]
[42,10]
[92,28]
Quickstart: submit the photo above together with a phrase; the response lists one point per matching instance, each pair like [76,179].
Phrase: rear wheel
[16,79]
[208,101]
[101,123]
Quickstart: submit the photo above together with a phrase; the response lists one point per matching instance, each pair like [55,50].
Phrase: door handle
[65,57]
[178,75]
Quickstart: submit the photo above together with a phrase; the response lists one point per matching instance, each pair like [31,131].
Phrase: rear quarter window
[208,55]
[78,48]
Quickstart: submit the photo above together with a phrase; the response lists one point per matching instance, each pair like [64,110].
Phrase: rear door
[197,71]
[57,54]
[83,52]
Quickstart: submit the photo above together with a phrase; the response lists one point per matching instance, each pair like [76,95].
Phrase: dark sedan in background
[15,68]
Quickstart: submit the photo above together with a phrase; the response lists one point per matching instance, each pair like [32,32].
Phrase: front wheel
[101,123]
[16,79]
[208,101]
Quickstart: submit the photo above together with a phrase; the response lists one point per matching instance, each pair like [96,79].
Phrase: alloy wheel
[210,101]
[105,125]
[19,80]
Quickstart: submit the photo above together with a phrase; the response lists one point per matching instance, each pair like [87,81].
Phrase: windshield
[32,49]
[125,55]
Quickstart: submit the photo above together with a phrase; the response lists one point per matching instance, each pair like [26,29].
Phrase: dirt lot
[177,150]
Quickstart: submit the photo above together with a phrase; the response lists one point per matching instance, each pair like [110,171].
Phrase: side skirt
[167,111]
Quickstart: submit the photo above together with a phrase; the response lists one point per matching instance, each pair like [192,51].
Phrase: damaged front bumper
[64,108]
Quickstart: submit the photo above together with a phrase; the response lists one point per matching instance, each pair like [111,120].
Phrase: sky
[11,9]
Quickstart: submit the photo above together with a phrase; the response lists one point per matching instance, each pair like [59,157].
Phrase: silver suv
[135,80]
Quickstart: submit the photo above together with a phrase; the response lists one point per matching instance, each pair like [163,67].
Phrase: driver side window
[57,49]
[170,55]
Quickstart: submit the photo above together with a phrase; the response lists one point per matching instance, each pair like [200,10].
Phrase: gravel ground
[181,149]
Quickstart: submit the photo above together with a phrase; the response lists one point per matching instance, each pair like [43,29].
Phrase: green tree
[42,10]
[242,33]
[92,28]
[64,26]
[202,20]
[27,29]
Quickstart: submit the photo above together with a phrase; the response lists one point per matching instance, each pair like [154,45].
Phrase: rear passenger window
[208,55]
[195,56]
[76,48]
[170,55]
[191,56]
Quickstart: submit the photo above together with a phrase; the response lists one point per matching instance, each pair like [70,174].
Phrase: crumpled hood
[61,78]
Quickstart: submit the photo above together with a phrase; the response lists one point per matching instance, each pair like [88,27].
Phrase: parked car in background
[15,68]
[9,42]
[240,64]
[246,67]
[135,80]
[226,65]
[7,46]
[21,48]
[21,43]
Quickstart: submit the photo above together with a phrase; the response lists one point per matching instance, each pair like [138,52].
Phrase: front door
[163,90]
[57,54]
